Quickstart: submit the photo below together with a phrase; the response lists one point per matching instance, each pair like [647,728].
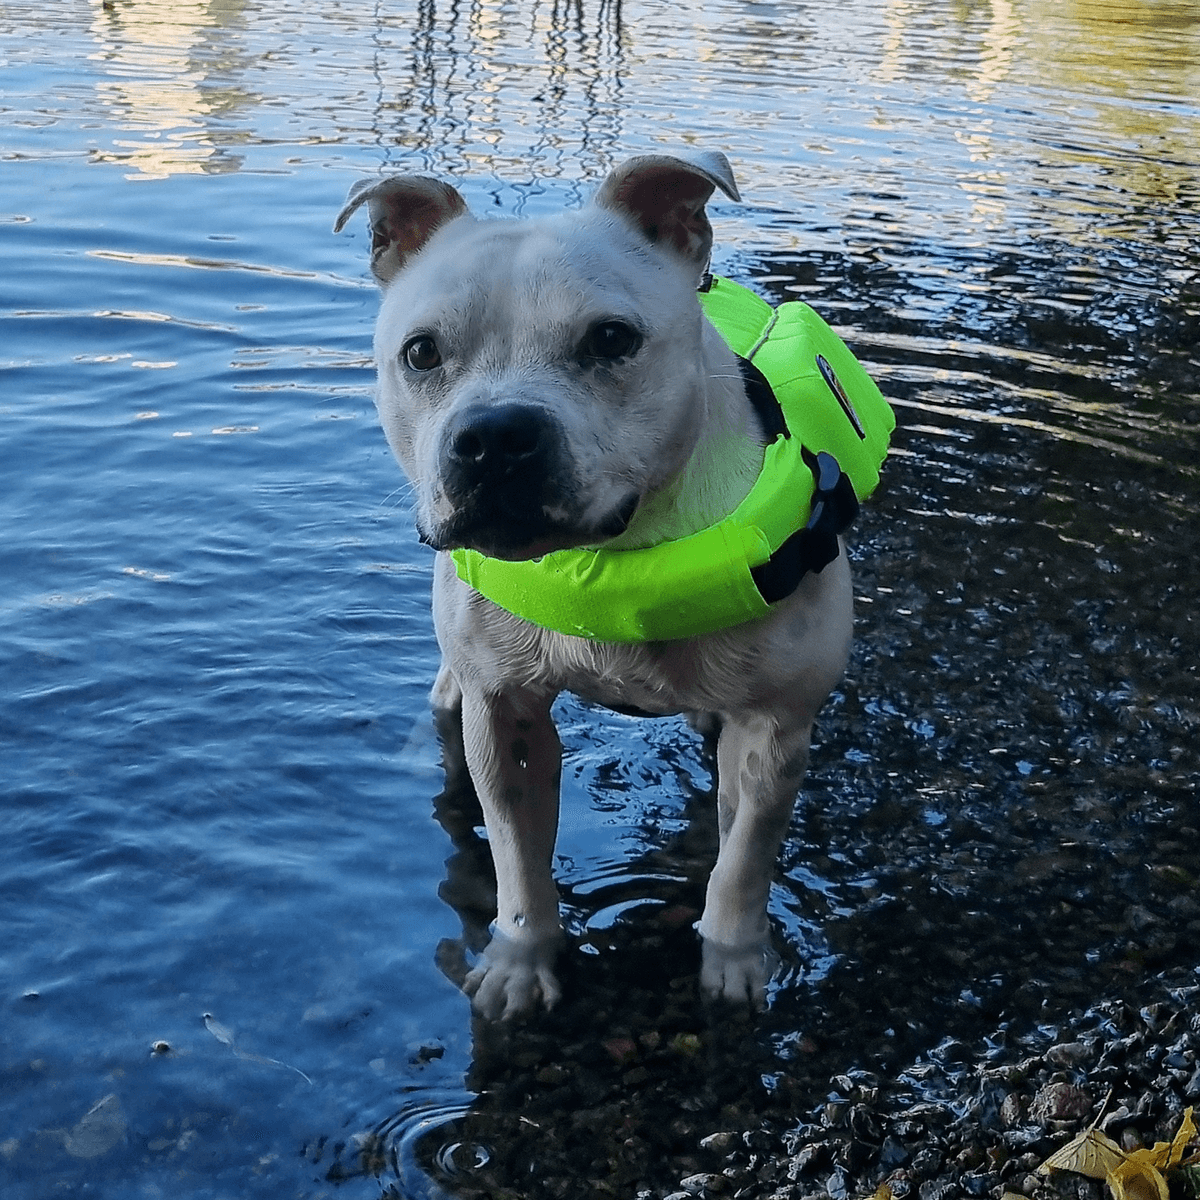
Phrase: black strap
[834,504]
[834,507]
[764,401]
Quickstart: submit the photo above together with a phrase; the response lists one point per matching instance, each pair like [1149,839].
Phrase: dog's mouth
[618,520]
[517,539]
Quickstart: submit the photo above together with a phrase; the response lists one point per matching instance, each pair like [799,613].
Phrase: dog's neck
[724,464]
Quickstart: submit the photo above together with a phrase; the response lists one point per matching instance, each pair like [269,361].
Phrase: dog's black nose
[504,469]
[490,442]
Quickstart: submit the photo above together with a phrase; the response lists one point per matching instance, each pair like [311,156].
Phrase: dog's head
[538,380]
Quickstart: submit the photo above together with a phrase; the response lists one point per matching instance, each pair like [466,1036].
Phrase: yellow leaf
[1091,1154]
[1137,1179]
[1166,1155]
[1187,1131]
[1147,1160]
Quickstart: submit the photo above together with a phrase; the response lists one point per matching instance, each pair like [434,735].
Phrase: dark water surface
[218,773]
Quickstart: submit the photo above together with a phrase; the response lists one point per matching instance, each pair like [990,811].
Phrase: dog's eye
[421,353]
[611,340]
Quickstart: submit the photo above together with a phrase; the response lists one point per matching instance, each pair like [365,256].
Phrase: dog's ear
[665,197]
[405,212]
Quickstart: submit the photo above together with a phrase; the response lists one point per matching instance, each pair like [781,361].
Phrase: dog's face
[534,379]
[538,379]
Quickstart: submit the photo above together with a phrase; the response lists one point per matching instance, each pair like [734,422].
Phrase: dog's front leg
[760,767]
[515,760]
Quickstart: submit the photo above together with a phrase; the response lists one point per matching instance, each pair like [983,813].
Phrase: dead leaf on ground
[1137,1175]
[97,1131]
[1176,1147]
[1091,1154]
[224,1035]
[1137,1178]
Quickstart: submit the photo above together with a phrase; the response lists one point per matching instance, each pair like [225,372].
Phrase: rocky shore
[629,1095]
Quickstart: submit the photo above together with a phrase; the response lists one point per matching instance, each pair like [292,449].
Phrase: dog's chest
[656,677]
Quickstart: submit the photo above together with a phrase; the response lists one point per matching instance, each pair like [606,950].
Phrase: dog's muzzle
[505,470]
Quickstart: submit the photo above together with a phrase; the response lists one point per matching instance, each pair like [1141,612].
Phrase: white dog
[550,385]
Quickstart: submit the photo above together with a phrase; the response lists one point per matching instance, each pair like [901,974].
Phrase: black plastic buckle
[834,507]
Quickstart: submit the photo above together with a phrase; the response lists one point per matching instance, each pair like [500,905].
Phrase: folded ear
[665,197]
[405,212]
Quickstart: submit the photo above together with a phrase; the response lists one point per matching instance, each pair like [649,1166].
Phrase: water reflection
[1106,93]
[171,74]
[492,87]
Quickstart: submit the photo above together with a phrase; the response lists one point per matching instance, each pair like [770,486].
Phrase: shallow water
[219,775]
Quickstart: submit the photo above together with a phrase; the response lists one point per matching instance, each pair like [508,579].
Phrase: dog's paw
[737,973]
[512,976]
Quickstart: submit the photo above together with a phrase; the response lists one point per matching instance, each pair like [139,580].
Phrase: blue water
[217,768]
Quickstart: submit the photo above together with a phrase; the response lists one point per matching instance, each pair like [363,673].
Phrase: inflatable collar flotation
[831,428]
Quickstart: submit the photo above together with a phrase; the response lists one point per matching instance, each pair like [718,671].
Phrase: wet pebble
[1069,1054]
[704,1184]
[927,1162]
[937,1189]
[1060,1102]
[1012,1110]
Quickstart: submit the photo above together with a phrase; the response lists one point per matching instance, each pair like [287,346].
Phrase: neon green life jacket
[825,457]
